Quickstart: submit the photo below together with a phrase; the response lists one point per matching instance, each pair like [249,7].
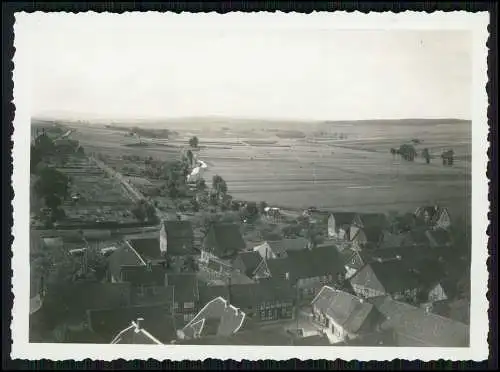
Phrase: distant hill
[398,122]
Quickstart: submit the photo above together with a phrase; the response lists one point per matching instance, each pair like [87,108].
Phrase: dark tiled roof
[148,249]
[374,234]
[381,338]
[251,261]
[394,276]
[320,261]
[73,299]
[122,256]
[287,245]
[221,319]
[261,337]
[416,327]
[225,239]
[372,219]
[347,310]
[132,335]
[440,236]
[144,275]
[180,237]
[158,319]
[186,287]
[343,218]
[153,295]
[311,341]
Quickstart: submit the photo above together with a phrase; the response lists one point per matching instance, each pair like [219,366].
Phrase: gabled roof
[180,237]
[216,318]
[390,276]
[343,218]
[148,249]
[224,239]
[349,311]
[440,236]
[417,327]
[135,335]
[250,295]
[251,261]
[124,255]
[371,220]
[308,263]
[287,245]
[144,275]
[156,318]
[186,288]
[433,212]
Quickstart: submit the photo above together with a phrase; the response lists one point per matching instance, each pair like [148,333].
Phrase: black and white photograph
[224,184]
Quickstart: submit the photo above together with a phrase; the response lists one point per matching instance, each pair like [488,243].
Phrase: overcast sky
[125,67]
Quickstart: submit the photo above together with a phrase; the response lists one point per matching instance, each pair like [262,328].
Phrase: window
[188,317]
[176,306]
[188,305]
[140,291]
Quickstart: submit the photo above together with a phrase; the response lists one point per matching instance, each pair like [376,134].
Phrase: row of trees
[409,153]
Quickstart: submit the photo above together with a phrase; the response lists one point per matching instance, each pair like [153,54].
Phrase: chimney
[229,290]
[137,324]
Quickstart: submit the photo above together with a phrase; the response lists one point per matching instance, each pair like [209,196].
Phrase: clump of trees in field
[53,187]
[194,142]
[145,212]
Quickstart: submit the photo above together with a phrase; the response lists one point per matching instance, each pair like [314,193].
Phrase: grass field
[355,173]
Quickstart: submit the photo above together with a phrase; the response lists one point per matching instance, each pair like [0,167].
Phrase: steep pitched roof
[251,261]
[217,317]
[416,327]
[108,323]
[71,300]
[144,274]
[148,249]
[371,220]
[392,276]
[135,335]
[343,218]
[124,255]
[180,237]
[186,287]
[224,239]
[347,310]
[287,245]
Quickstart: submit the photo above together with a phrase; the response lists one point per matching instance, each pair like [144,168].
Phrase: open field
[354,173]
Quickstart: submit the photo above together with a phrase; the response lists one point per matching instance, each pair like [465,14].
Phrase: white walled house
[342,316]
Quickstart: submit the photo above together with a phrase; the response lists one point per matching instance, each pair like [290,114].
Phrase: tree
[201,184]
[408,152]
[193,142]
[426,155]
[189,156]
[53,186]
[219,186]
[262,207]
[139,211]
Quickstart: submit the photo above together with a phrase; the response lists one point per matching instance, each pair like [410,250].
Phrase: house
[434,216]
[247,263]
[364,220]
[186,294]
[309,270]
[342,316]
[439,237]
[177,238]
[354,260]
[217,318]
[65,304]
[392,278]
[135,334]
[269,299]
[123,256]
[366,237]
[458,310]
[114,324]
[144,279]
[417,327]
[339,224]
[147,248]
[279,248]
[223,240]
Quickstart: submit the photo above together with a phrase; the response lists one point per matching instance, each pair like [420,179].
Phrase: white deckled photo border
[477,23]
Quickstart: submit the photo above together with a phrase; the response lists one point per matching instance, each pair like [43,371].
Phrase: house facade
[342,316]
[386,278]
[223,241]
